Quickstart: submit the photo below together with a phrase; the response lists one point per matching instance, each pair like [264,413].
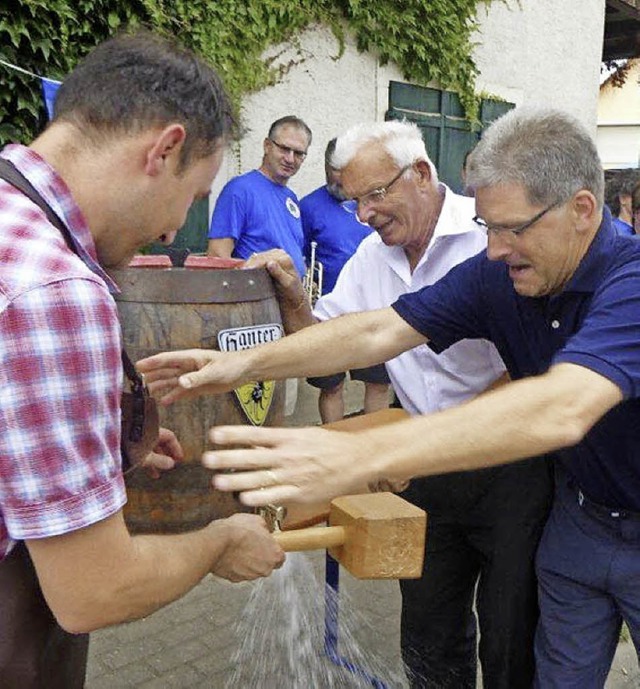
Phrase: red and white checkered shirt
[60,367]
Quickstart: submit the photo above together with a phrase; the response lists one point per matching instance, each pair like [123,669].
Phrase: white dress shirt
[376,275]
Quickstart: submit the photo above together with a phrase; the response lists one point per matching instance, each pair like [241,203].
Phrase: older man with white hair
[475,536]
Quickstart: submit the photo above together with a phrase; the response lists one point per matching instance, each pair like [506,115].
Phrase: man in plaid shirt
[139,132]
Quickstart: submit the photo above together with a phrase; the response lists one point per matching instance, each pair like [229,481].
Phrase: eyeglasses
[519,229]
[374,196]
[298,155]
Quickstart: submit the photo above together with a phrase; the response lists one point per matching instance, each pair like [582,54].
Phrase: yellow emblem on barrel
[255,399]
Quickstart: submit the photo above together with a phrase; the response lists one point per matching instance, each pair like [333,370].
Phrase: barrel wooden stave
[156,317]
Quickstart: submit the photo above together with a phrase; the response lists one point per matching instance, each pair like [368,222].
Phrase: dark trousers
[589,573]
[483,530]
[35,652]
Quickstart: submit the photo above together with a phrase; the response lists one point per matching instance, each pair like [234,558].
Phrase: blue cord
[332,577]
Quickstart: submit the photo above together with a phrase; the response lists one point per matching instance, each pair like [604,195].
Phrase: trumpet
[312,281]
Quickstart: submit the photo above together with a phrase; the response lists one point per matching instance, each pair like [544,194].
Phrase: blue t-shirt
[337,231]
[259,215]
[623,227]
[594,322]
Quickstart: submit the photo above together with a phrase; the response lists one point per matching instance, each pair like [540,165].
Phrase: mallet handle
[313,538]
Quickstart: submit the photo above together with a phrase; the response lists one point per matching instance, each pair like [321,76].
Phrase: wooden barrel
[181,308]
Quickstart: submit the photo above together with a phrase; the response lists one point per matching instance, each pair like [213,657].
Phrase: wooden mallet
[374,536]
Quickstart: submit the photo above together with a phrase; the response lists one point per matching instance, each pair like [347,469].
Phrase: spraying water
[282,637]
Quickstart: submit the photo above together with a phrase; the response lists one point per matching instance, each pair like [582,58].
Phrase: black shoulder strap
[135,378]
[10,173]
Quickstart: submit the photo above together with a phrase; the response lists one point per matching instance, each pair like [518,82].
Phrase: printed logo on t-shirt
[352,209]
[292,207]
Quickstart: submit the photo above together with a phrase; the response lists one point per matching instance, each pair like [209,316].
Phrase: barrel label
[255,397]
[237,339]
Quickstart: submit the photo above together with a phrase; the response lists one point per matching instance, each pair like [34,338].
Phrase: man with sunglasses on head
[256,211]
[483,526]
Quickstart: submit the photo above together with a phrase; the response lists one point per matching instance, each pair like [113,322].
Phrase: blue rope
[332,577]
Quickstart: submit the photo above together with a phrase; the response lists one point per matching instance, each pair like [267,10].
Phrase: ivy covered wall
[428,39]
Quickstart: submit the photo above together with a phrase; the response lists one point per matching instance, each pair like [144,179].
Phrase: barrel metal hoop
[193,286]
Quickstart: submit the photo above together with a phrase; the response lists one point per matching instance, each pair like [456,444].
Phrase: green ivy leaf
[427,39]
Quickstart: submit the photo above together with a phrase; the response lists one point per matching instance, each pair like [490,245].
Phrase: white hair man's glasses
[374,196]
[518,229]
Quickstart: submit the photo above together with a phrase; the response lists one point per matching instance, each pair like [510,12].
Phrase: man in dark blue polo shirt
[558,293]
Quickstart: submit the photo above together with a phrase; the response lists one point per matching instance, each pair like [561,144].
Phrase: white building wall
[618,135]
[546,52]
[531,51]
[329,94]
[619,146]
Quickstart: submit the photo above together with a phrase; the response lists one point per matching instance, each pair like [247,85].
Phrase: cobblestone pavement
[190,643]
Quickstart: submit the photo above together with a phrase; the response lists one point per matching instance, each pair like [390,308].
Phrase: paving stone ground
[190,643]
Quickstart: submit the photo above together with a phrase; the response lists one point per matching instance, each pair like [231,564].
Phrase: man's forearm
[177,564]
[350,341]
[522,419]
[223,248]
[100,575]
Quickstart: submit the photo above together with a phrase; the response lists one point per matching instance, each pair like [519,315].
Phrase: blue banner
[49,91]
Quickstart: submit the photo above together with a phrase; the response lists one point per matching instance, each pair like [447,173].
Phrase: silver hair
[547,151]
[402,141]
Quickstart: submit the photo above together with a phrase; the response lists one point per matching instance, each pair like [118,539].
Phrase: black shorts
[371,374]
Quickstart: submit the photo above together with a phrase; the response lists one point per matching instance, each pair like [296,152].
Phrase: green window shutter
[447,134]
[193,234]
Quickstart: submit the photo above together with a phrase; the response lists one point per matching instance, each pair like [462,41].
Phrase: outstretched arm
[521,419]
[350,341]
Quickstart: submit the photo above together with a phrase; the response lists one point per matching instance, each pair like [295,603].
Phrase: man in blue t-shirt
[256,211]
[558,293]
[333,225]
[337,232]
